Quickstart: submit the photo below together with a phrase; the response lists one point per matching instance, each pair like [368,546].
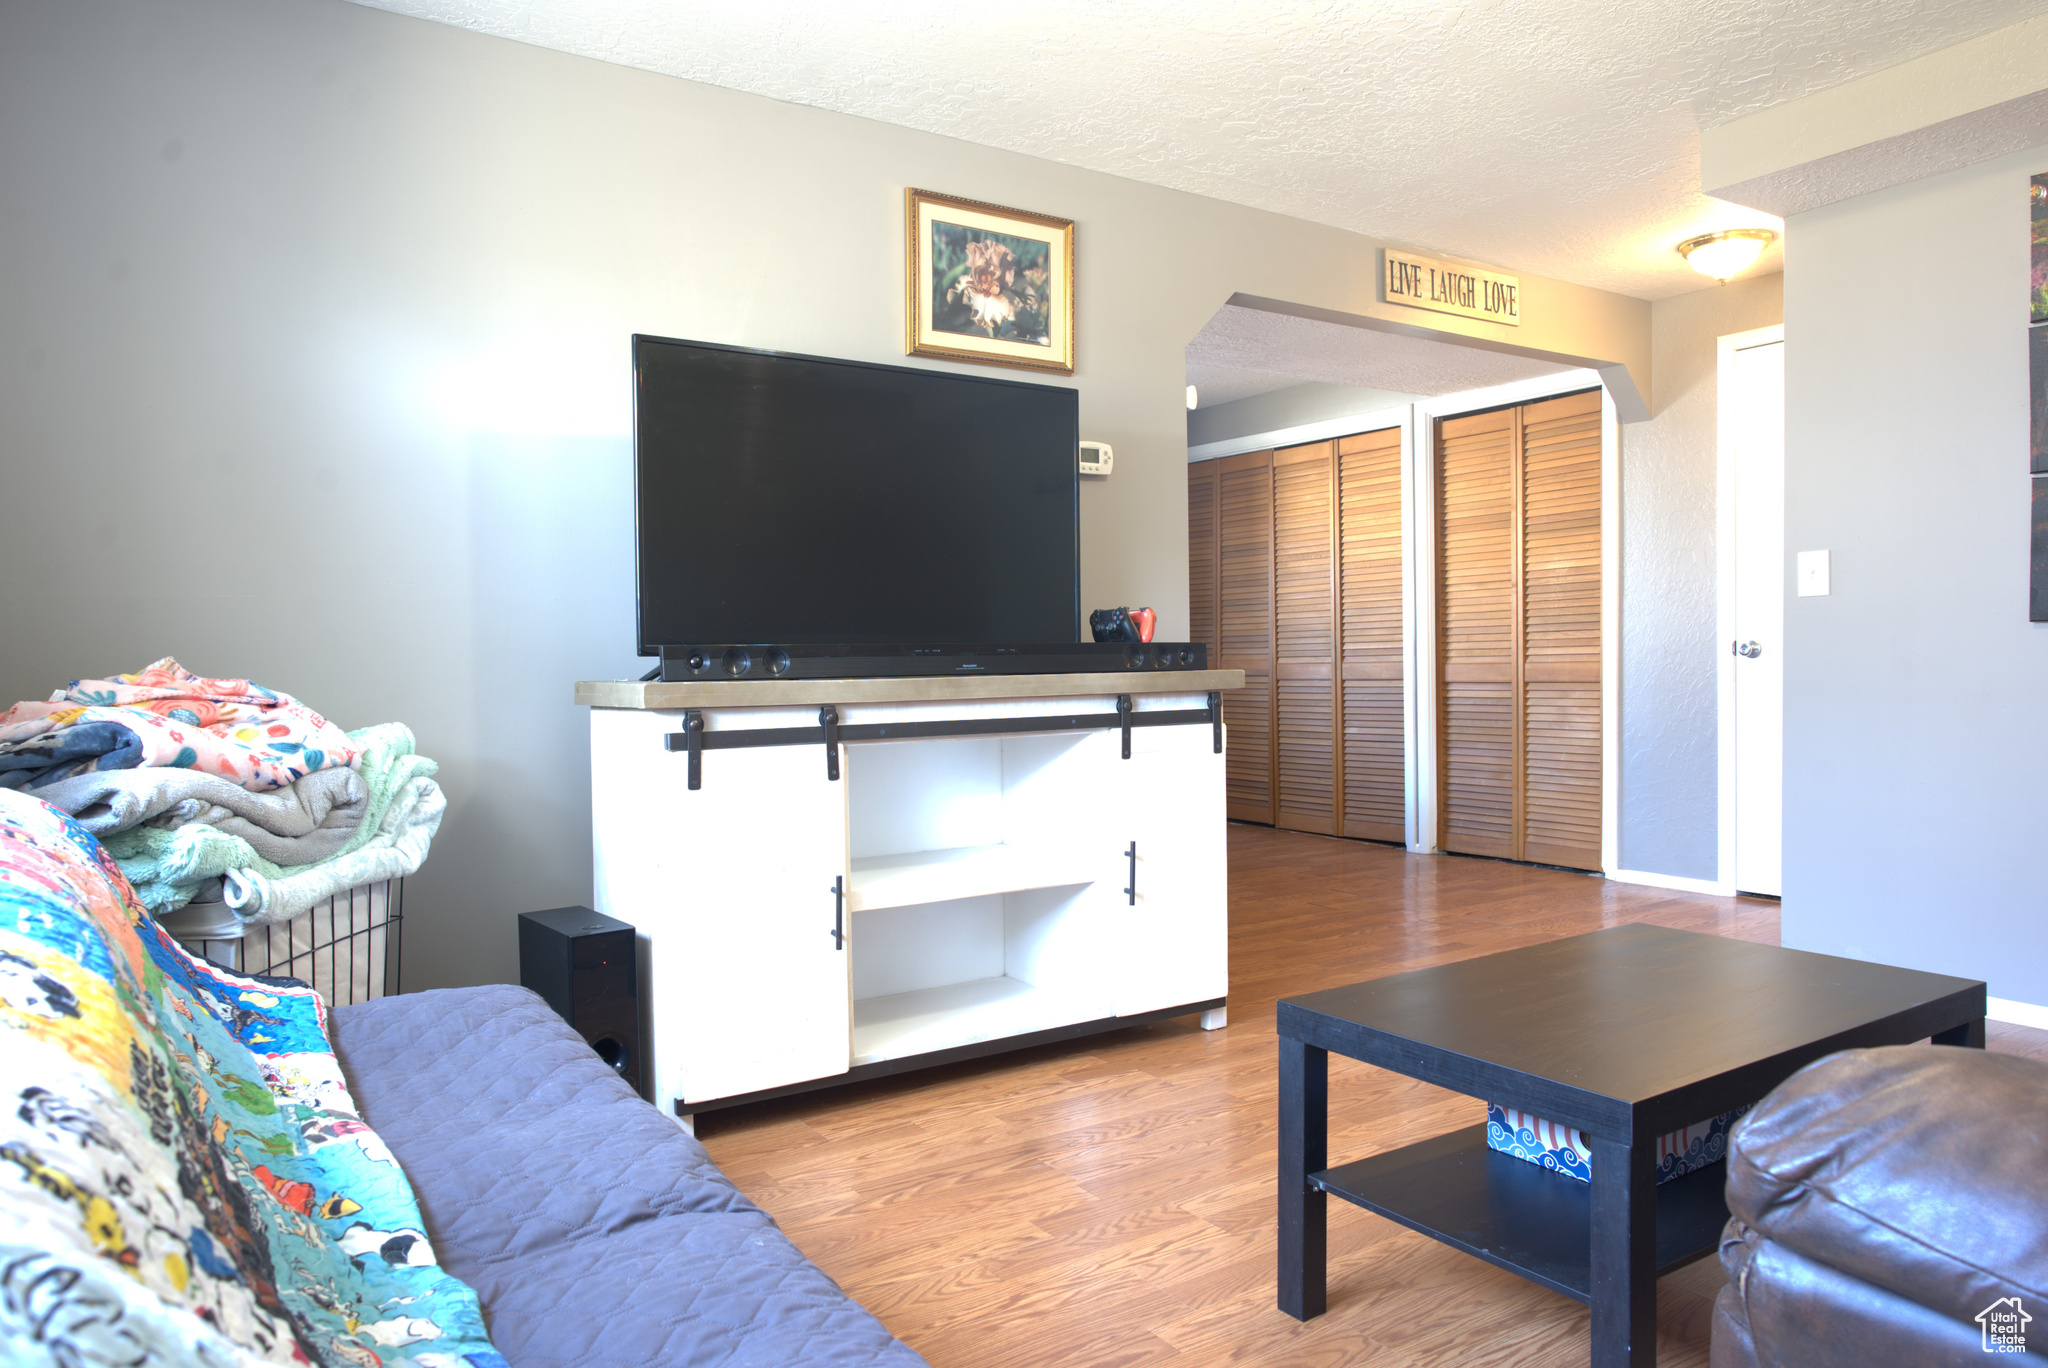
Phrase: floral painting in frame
[988,284]
[2037,199]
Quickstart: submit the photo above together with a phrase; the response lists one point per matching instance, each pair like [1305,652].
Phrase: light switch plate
[1813,574]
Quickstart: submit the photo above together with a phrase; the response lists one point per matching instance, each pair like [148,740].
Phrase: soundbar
[808,661]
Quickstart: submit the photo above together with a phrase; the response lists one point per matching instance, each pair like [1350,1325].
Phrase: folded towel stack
[221,789]
[166,716]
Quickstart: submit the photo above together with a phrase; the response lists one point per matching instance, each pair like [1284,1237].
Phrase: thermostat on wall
[1096,458]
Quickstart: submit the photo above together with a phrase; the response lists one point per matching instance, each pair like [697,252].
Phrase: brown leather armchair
[1889,1207]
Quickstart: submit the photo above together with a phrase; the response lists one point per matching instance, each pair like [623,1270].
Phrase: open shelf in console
[964,872]
[905,1024]
[978,903]
[931,976]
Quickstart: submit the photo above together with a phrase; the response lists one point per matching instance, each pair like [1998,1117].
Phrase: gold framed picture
[988,284]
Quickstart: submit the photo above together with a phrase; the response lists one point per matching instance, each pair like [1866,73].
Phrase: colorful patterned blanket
[184,1177]
[166,715]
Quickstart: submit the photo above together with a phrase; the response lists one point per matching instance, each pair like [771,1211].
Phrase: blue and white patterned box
[1564,1150]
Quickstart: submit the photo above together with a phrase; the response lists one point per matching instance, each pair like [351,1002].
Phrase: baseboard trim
[2016,1013]
[1676,883]
[953,1054]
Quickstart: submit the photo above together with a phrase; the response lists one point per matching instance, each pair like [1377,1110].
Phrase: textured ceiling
[1225,384]
[1244,351]
[1544,136]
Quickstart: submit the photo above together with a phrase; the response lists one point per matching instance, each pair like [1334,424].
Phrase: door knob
[1748,650]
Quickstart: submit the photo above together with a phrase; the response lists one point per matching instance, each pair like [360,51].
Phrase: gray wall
[1286,408]
[1669,815]
[1916,694]
[313,323]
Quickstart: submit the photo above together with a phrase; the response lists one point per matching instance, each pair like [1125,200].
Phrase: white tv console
[970,865]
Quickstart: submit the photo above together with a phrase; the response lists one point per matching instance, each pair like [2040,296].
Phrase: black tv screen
[784,498]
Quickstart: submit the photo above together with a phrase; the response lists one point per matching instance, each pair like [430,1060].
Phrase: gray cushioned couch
[595,1231]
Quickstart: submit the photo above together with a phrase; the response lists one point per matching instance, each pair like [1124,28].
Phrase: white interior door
[1759,642]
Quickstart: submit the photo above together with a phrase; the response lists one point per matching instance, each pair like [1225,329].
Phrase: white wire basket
[346,947]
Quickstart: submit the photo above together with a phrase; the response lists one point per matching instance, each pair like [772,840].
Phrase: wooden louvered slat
[1248,759]
[1202,555]
[1374,794]
[1307,768]
[1244,628]
[1478,773]
[1375,771]
[1477,766]
[1563,825]
[1305,638]
[1245,592]
[1304,622]
[1561,631]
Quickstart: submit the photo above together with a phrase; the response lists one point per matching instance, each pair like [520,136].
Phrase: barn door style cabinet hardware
[693,740]
[979,865]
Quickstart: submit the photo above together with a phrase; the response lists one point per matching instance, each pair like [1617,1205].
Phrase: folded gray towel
[301,824]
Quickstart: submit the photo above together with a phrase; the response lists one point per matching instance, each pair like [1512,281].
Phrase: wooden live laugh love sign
[1447,287]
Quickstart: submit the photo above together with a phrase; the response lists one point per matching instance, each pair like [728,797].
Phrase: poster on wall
[988,284]
[2037,601]
[2037,375]
[2038,292]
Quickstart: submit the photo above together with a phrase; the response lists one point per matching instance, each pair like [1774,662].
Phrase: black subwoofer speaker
[585,964]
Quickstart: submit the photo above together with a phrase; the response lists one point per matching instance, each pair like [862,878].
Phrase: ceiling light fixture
[1726,254]
[1191,396]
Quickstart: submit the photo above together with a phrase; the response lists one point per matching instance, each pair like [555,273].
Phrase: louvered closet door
[1305,638]
[1478,758]
[1244,597]
[1374,790]
[1202,555]
[1519,632]
[1561,631]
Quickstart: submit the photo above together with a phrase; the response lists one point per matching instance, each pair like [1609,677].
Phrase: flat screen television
[785,498]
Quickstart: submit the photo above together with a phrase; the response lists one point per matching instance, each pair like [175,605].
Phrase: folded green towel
[166,866]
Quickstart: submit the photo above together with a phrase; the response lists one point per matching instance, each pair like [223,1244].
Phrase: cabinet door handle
[1132,891]
[839,912]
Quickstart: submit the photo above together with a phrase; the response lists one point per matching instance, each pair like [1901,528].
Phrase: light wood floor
[1110,1201]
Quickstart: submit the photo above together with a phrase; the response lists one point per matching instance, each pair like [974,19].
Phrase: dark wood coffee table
[1627,1034]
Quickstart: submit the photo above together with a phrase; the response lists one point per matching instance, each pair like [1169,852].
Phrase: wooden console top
[771,693]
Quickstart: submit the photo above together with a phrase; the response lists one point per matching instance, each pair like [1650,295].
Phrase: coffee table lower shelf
[1517,1215]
